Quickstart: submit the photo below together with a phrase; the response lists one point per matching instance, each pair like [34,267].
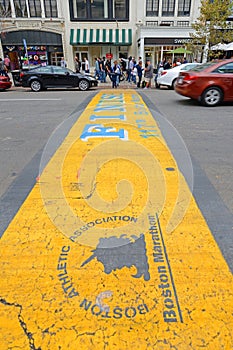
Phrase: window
[152,7]
[167,23]
[184,7]
[168,7]
[50,8]
[152,23]
[61,70]
[5,8]
[99,10]
[119,9]
[21,9]
[183,23]
[225,69]
[79,9]
[44,69]
[34,8]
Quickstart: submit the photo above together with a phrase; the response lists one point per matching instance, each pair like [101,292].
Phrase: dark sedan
[41,78]
[210,83]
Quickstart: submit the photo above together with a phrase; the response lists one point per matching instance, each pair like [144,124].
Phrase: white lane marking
[5,139]
[28,99]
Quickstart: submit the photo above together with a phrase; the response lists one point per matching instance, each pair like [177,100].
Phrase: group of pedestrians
[133,71]
[139,75]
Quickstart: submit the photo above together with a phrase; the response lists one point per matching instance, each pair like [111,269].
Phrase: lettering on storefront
[182,41]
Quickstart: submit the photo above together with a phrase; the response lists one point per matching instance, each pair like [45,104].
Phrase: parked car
[5,83]
[167,77]
[43,77]
[210,83]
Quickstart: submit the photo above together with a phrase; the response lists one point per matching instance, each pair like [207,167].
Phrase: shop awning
[101,36]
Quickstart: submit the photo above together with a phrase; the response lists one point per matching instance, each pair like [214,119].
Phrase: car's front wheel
[36,85]
[212,96]
[83,85]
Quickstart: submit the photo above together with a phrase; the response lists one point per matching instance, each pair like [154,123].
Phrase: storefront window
[152,7]
[168,7]
[50,8]
[97,10]
[35,8]
[5,8]
[184,7]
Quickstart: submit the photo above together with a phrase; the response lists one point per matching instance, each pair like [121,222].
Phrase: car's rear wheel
[212,96]
[36,85]
[172,87]
[83,85]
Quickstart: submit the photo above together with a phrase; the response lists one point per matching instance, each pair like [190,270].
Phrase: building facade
[43,31]
[164,26]
[32,31]
[122,28]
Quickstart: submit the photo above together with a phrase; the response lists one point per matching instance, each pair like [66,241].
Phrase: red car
[210,83]
[5,83]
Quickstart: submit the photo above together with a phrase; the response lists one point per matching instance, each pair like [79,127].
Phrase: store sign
[167,41]
[32,48]
[109,56]
[182,41]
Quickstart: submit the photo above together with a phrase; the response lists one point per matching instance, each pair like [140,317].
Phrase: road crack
[23,325]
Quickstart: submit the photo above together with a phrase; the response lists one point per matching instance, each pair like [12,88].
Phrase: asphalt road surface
[27,120]
[106,266]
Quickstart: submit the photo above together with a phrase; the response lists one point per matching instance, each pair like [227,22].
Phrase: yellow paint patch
[109,250]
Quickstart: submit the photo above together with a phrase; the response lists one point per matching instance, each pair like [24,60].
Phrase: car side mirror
[67,73]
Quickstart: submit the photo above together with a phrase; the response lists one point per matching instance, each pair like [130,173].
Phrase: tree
[212,26]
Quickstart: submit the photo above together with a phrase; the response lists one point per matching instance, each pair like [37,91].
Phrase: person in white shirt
[87,66]
[63,63]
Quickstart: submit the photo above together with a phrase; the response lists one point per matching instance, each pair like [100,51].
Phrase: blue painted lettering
[98,130]
[110,108]
[105,117]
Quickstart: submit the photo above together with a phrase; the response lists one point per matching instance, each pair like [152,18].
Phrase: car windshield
[203,66]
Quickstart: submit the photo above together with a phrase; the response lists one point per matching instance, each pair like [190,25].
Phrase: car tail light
[164,72]
[21,74]
[189,78]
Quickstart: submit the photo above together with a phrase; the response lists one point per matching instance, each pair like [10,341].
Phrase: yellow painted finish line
[109,250]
